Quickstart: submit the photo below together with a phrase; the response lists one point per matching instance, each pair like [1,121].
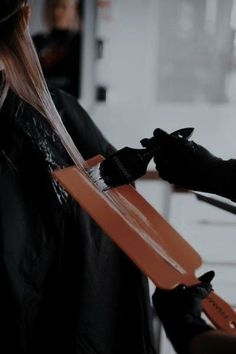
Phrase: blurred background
[142,64]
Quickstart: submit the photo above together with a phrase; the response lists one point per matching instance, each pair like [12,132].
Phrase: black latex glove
[180,312]
[191,166]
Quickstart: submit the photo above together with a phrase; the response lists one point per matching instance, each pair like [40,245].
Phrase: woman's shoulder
[10,103]
[39,39]
[14,106]
[8,112]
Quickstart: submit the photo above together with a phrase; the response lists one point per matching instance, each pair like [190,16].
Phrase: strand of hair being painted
[53,116]
[34,90]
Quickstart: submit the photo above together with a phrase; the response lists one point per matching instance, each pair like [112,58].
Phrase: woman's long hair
[23,74]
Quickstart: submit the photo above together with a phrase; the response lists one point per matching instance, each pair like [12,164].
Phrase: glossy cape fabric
[65,287]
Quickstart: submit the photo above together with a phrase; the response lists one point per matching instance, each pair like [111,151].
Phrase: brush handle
[151,144]
[184,133]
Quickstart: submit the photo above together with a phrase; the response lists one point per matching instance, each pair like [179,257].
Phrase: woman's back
[66,286]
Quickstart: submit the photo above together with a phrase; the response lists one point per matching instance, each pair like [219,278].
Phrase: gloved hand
[191,166]
[180,312]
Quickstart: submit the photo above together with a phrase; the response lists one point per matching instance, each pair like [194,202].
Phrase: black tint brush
[128,164]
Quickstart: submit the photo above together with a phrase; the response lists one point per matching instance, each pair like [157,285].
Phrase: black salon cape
[64,286]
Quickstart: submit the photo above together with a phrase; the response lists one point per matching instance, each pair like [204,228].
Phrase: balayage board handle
[219,312]
[180,260]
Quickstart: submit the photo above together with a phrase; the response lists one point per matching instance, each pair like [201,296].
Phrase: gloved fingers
[169,295]
[164,169]
[149,143]
[163,139]
[168,147]
[161,164]
[160,139]
[160,297]
[145,142]
[199,291]
[205,287]
[202,289]
[155,141]
[207,277]
[173,148]
[169,172]
[161,134]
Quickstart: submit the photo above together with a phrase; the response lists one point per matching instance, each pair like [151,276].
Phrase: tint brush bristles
[122,167]
[95,176]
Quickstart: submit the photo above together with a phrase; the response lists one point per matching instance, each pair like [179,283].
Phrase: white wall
[215,125]
[127,67]
[36,24]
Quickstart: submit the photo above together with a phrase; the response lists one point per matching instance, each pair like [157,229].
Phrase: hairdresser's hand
[189,165]
[180,311]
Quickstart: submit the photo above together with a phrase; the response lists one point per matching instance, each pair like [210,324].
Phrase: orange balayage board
[145,236]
